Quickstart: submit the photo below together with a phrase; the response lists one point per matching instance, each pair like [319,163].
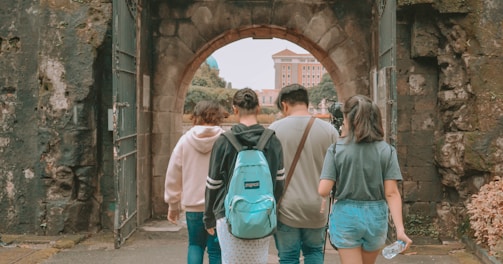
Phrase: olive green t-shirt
[301,203]
[359,169]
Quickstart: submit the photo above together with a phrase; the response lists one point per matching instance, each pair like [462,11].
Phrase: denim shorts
[359,224]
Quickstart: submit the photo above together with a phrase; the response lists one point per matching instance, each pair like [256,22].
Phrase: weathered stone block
[403,3]
[423,121]
[425,38]
[420,156]
[430,191]
[410,191]
[78,148]
[86,177]
[292,15]
[424,173]
[422,138]
[55,219]
[189,35]
[452,6]
[421,208]
[426,103]
[160,144]
[159,165]
[166,122]
[75,222]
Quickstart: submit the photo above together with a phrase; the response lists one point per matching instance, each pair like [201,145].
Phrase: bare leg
[369,257]
[351,255]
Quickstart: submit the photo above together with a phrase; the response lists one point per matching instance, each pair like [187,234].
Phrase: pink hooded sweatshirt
[188,168]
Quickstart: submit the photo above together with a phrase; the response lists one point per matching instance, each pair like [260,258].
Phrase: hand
[402,236]
[211,231]
[174,216]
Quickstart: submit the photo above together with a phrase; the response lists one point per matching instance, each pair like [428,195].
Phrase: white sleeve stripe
[213,187]
[213,181]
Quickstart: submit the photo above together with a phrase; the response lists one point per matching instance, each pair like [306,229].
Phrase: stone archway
[339,35]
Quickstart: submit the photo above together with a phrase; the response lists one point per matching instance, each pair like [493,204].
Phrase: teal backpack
[250,207]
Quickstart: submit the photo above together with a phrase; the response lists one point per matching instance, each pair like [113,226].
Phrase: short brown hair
[292,94]
[209,113]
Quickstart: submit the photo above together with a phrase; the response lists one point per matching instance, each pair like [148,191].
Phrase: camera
[336,116]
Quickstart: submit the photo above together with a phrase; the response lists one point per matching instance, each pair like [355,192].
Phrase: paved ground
[161,242]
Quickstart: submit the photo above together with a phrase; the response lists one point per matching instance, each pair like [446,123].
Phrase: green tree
[324,90]
[197,93]
[194,95]
[208,77]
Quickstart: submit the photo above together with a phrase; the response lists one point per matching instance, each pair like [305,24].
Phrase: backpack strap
[234,141]
[266,135]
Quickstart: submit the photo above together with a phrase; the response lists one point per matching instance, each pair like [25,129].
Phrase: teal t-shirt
[359,170]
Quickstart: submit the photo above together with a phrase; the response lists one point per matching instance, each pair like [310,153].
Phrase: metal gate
[386,77]
[124,118]
[385,94]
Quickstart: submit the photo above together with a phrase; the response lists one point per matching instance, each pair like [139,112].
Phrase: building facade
[291,67]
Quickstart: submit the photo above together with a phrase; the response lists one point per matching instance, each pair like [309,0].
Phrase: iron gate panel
[387,79]
[387,65]
[124,118]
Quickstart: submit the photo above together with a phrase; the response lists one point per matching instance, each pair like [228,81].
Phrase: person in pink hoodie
[186,179]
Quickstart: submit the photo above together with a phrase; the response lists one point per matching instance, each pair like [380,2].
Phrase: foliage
[486,214]
[207,77]
[269,110]
[420,225]
[324,90]
[196,93]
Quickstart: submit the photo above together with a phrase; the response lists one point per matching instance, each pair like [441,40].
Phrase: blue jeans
[290,241]
[199,240]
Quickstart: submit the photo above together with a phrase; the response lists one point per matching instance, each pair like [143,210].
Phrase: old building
[92,92]
[290,67]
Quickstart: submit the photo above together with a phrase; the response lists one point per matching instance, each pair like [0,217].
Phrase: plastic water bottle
[390,251]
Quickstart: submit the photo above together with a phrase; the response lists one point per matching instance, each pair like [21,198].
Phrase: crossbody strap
[297,155]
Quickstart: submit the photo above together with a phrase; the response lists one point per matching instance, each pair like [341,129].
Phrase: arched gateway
[340,34]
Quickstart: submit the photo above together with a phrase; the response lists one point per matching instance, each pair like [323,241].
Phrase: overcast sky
[248,62]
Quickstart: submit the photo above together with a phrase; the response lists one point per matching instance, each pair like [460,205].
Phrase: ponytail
[364,119]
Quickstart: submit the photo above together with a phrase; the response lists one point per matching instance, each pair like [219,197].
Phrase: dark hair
[246,100]
[292,94]
[208,112]
[363,119]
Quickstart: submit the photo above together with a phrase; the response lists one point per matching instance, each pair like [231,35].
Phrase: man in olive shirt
[301,223]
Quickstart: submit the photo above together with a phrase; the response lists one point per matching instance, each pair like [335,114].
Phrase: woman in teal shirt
[366,171]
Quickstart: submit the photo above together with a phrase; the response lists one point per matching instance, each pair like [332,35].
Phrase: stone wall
[50,55]
[450,104]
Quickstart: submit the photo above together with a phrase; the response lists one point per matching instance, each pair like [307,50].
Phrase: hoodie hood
[248,135]
[201,138]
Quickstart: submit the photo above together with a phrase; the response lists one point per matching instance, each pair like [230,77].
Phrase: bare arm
[394,201]
[325,187]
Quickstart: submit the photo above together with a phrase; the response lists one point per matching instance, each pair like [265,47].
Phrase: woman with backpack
[222,163]
[365,170]
[186,175]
